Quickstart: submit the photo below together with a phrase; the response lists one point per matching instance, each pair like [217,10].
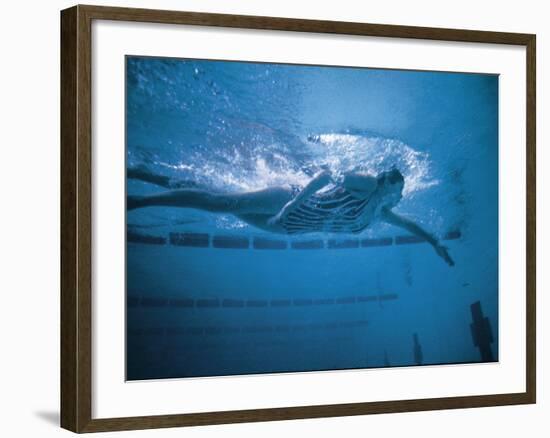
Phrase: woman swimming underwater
[323,205]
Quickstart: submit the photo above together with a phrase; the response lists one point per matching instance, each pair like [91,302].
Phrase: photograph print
[308,218]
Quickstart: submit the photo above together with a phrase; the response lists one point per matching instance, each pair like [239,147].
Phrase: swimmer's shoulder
[360,185]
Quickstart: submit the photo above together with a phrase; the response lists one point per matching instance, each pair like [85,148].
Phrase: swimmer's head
[390,186]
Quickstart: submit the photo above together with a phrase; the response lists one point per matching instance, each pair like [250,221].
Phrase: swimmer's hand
[320,180]
[442,251]
[276,220]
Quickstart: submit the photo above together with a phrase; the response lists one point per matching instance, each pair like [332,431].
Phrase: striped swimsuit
[333,211]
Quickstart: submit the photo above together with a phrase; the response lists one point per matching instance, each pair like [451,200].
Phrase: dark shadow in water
[51,417]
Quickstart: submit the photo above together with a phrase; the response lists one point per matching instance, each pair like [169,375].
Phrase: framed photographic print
[268,218]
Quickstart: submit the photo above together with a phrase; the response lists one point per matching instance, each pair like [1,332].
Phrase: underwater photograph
[308,218]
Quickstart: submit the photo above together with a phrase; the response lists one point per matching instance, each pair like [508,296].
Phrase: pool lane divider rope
[205,240]
[225,330]
[134,301]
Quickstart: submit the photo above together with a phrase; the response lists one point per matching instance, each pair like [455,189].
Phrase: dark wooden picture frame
[76,218]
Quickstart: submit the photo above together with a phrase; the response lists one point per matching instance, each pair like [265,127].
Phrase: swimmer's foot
[133,202]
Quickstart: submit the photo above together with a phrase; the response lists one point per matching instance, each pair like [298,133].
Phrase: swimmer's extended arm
[400,221]
[319,181]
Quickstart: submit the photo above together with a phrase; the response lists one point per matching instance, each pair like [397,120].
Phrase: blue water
[208,310]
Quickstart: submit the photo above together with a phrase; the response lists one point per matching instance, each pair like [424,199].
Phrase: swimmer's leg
[186,198]
[142,173]
[267,201]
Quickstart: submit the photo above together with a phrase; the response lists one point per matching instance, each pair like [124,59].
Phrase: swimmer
[349,205]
